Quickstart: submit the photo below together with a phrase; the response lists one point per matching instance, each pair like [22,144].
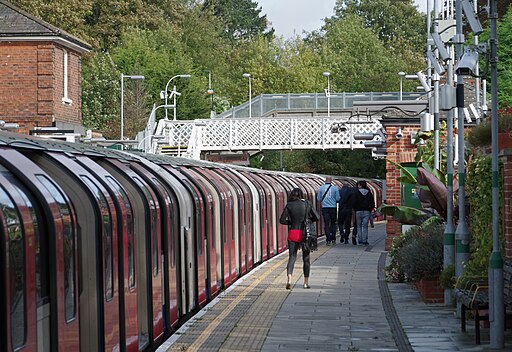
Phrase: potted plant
[417,256]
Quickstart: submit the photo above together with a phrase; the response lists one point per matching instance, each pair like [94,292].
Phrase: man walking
[345,210]
[363,206]
[329,195]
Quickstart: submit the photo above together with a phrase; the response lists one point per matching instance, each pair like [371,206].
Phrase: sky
[290,17]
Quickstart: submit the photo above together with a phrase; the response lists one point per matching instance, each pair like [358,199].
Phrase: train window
[171,231]
[68,237]
[16,255]
[42,269]
[108,274]
[130,231]
[154,224]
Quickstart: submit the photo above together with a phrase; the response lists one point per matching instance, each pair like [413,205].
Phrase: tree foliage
[241,19]
[394,22]
[161,39]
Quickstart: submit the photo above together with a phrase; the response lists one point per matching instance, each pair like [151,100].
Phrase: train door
[238,207]
[199,235]
[127,253]
[98,249]
[170,228]
[245,216]
[45,286]
[270,213]
[187,275]
[261,253]
[280,199]
[226,212]
[254,237]
[213,226]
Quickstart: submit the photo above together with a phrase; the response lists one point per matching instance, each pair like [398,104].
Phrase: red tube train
[102,250]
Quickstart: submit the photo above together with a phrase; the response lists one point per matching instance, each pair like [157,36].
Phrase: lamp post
[496,307]
[248,76]
[462,231]
[174,93]
[328,93]
[402,75]
[210,91]
[135,78]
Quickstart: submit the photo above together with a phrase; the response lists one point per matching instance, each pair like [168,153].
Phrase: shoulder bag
[309,242]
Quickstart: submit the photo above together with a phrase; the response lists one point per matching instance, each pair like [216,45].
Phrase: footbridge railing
[190,138]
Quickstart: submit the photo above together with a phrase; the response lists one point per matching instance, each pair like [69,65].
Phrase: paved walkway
[349,308]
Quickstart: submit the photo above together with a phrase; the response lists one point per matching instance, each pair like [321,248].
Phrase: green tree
[394,22]
[240,18]
[504,32]
[357,59]
[100,101]
[65,14]
[356,163]
[505,59]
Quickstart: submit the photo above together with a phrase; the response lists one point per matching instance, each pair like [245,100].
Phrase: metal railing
[267,104]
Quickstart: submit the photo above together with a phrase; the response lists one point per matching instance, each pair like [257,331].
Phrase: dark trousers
[344,223]
[329,215]
[293,247]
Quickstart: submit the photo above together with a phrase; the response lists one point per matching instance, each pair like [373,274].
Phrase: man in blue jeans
[329,195]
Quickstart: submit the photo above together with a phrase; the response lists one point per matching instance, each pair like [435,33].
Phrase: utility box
[408,193]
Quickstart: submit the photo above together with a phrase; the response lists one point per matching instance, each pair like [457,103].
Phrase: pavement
[350,307]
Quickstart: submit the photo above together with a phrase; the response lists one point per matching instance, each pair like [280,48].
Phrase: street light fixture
[402,75]
[328,93]
[210,91]
[132,77]
[248,76]
[174,93]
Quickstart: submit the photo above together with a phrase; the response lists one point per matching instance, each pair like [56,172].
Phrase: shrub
[418,253]
[447,278]
[480,136]
[479,195]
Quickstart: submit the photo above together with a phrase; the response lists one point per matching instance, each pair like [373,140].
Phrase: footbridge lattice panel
[244,134]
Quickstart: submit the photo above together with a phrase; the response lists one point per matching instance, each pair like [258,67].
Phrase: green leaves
[405,215]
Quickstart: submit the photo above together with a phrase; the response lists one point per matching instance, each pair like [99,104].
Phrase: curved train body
[104,250]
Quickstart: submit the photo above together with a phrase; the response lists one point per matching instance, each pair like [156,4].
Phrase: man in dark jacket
[363,206]
[345,209]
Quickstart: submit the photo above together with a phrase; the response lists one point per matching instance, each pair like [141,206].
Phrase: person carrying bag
[295,214]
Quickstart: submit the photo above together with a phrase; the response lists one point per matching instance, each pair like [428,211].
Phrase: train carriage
[107,250]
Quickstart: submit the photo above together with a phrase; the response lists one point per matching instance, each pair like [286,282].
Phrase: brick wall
[506,158]
[31,85]
[400,151]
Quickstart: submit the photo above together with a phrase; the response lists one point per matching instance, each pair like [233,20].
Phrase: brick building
[40,73]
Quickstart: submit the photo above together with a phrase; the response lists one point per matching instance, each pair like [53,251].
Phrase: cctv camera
[399,134]
[443,53]
[423,80]
[474,23]
[437,66]
[467,63]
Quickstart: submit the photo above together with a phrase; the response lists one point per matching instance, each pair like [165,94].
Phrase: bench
[473,294]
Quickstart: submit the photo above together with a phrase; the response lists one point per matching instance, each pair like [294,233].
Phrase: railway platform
[349,307]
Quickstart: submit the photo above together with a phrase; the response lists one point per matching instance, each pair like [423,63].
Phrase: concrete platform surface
[349,307]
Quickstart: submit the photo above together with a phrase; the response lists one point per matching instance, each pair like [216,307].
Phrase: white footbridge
[277,122]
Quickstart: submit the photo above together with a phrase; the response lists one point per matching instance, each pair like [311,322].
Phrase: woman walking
[295,212]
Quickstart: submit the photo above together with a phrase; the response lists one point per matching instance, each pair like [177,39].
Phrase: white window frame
[65,99]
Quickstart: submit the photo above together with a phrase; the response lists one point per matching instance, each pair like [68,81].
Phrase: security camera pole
[435,76]
[462,231]
[496,309]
